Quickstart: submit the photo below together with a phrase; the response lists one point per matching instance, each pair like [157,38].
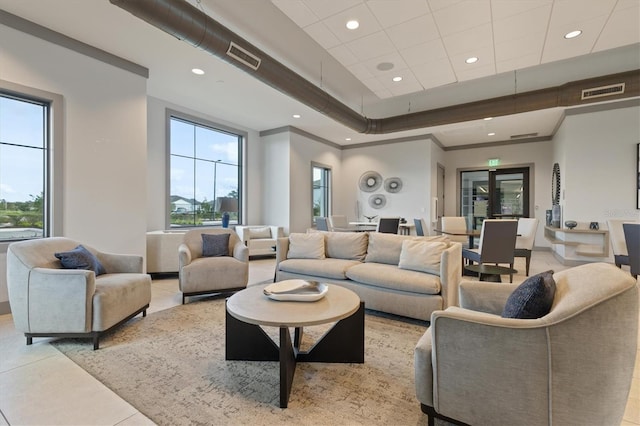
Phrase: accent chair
[210,264]
[527,228]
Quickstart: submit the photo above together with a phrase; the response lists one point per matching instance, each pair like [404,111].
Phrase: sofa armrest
[277,232]
[241,230]
[114,263]
[60,300]
[451,274]
[282,249]
[241,252]
[485,296]
[184,255]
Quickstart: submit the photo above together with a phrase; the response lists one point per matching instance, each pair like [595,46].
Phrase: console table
[578,243]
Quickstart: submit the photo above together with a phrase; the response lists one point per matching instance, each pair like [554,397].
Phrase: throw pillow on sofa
[385,248]
[306,246]
[422,256]
[259,233]
[346,245]
[80,258]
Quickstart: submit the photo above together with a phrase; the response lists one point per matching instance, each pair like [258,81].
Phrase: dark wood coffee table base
[343,343]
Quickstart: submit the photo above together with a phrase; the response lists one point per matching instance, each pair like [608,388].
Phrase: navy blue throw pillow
[214,245]
[531,299]
[80,258]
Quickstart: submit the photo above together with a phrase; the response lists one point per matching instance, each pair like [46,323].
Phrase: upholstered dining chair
[388,225]
[421,227]
[571,366]
[526,236]
[322,224]
[497,245]
[632,239]
[453,225]
[339,222]
[618,244]
[212,260]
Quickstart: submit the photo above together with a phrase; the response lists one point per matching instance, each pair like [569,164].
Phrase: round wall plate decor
[377,201]
[393,184]
[370,181]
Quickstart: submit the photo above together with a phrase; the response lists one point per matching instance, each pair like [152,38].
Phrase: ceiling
[520,47]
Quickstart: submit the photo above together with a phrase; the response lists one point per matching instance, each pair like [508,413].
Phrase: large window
[321,184]
[205,166]
[24,153]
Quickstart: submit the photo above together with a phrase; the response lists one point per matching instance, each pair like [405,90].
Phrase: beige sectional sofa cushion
[346,245]
[385,248]
[422,256]
[306,246]
[258,233]
[327,268]
[390,276]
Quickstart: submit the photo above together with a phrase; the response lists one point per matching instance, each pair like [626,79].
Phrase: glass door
[494,194]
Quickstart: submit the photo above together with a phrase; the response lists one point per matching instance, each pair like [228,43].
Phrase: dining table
[470,233]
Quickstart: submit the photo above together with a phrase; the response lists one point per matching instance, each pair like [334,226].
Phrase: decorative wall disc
[377,201]
[393,184]
[370,181]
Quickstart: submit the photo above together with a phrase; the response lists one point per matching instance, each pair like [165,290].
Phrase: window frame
[327,171]
[53,189]
[203,122]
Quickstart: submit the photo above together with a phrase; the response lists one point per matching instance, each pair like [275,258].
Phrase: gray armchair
[572,366]
[48,301]
[200,274]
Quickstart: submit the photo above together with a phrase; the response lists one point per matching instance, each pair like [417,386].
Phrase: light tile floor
[39,385]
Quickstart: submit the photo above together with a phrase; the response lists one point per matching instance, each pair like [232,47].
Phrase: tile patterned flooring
[39,385]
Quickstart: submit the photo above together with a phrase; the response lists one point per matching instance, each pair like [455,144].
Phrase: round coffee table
[249,309]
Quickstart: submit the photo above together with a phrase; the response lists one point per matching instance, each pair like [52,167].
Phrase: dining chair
[497,245]
[338,222]
[388,225]
[632,239]
[455,224]
[322,224]
[421,227]
[527,228]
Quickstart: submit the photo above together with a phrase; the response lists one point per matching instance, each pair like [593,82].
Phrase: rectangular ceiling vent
[524,135]
[598,92]
[242,55]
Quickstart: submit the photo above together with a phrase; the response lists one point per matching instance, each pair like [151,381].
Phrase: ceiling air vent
[524,135]
[242,55]
[598,92]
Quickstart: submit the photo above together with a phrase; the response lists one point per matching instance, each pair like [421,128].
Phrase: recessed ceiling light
[572,34]
[471,60]
[491,134]
[397,79]
[296,115]
[488,118]
[197,71]
[347,139]
[353,24]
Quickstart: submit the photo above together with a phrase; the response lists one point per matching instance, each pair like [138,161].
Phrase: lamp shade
[226,204]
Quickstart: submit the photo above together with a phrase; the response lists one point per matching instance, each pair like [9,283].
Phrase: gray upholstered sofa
[47,300]
[402,275]
[572,366]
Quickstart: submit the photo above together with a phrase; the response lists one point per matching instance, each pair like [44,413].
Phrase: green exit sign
[493,162]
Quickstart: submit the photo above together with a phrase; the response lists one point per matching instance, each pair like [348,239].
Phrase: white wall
[410,161]
[105,147]
[157,165]
[538,155]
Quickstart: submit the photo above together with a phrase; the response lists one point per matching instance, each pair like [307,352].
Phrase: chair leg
[528,262]
[183,297]
[96,341]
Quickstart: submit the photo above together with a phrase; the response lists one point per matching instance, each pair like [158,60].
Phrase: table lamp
[226,205]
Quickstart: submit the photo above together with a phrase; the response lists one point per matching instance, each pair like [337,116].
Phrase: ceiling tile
[368,23]
[371,46]
[435,73]
[322,35]
[502,9]
[518,26]
[517,63]
[389,13]
[462,16]
[343,55]
[527,45]
[441,4]
[612,37]
[416,31]
[325,8]
[297,11]
[469,41]
[361,72]
[557,47]
[394,58]
[424,53]
[476,72]
[575,11]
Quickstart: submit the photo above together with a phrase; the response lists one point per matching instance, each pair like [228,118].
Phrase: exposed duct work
[187,23]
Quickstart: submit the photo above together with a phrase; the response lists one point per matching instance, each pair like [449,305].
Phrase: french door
[494,194]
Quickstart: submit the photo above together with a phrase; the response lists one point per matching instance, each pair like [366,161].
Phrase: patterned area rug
[171,367]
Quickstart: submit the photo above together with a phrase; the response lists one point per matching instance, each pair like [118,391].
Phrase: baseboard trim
[5,308]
